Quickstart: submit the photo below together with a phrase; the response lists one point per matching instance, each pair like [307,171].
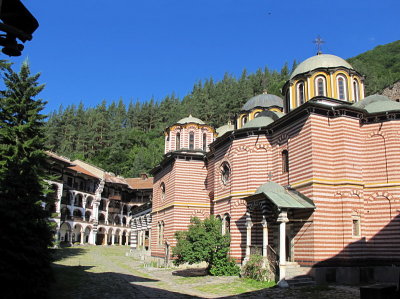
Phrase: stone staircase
[300,281]
[297,276]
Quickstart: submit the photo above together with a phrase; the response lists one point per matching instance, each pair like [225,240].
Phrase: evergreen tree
[25,234]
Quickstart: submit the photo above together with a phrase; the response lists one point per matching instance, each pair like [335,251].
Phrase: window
[205,142]
[256,114]
[285,161]
[226,224]
[160,233]
[191,140]
[341,87]
[178,141]
[162,187]
[356,227]
[244,120]
[356,88]
[320,86]
[225,173]
[300,93]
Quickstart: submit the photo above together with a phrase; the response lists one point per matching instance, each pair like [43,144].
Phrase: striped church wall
[168,177]
[158,246]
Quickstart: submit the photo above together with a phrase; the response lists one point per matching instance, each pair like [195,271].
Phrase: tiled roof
[140,183]
[80,169]
[60,158]
[109,178]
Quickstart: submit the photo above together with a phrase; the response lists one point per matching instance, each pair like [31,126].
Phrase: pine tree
[25,234]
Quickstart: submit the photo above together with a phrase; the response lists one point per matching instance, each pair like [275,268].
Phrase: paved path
[105,272]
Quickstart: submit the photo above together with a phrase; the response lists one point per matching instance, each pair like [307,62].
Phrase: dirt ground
[106,272]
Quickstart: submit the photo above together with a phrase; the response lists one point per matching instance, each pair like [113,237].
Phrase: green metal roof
[190,119]
[284,198]
[225,128]
[377,103]
[320,61]
[264,100]
[260,121]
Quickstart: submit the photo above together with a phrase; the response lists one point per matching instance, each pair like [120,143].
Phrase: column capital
[282,217]
[264,222]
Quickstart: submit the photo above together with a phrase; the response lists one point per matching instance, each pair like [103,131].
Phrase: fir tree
[25,234]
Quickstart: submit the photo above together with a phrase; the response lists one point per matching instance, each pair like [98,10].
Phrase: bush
[255,269]
[204,242]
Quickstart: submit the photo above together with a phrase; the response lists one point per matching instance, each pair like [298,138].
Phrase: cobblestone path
[106,272]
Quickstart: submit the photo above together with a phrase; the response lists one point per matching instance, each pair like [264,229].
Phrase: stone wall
[392,91]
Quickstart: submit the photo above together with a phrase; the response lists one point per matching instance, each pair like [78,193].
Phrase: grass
[237,287]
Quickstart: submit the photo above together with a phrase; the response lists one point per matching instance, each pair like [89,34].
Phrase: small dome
[377,103]
[225,128]
[264,101]
[272,114]
[190,119]
[270,187]
[260,121]
[320,61]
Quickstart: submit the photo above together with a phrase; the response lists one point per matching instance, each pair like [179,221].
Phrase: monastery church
[310,181]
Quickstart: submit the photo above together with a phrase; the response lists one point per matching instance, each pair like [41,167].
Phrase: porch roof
[282,197]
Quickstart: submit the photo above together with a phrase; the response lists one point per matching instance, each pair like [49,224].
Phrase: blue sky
[90,50]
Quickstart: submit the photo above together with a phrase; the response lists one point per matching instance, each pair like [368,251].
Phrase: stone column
[249,225]
[81,240]
[113,239]
[265,238]
[120,239]
[94,237]
[282,218]
[105,240]
[106,220]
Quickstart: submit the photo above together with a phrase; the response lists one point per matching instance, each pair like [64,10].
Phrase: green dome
[377,103]
[320,61]
[264,100]
[225,128]
[190,119]
[260,121]
[270,187]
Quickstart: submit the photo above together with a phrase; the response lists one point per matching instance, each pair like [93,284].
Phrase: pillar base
[283,283]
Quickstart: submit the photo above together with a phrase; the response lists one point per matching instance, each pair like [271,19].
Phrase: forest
[128,139]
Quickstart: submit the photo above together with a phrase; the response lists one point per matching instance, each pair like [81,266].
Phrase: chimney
[144,176]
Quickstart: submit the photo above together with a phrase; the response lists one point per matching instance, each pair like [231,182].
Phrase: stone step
[301,280]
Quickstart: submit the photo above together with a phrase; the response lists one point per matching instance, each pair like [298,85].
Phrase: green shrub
[204,242]
[256,269]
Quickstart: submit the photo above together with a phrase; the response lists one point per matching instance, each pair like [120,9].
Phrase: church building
[310,181]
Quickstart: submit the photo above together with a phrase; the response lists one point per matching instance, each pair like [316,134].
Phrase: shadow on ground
[59,254]
[197,272]
[80,282]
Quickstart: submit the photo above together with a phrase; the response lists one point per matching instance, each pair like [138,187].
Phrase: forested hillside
[128,140]
[380,66]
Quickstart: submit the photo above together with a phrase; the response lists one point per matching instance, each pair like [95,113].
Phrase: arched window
[225,173]
[300,93]
[161,233]
[162,191]
[320,89]
[226,225]
[356,89]
[256,114]
[244,120]
[178,141]
[191,140]
[341,88]
[285,161]
[205,142]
